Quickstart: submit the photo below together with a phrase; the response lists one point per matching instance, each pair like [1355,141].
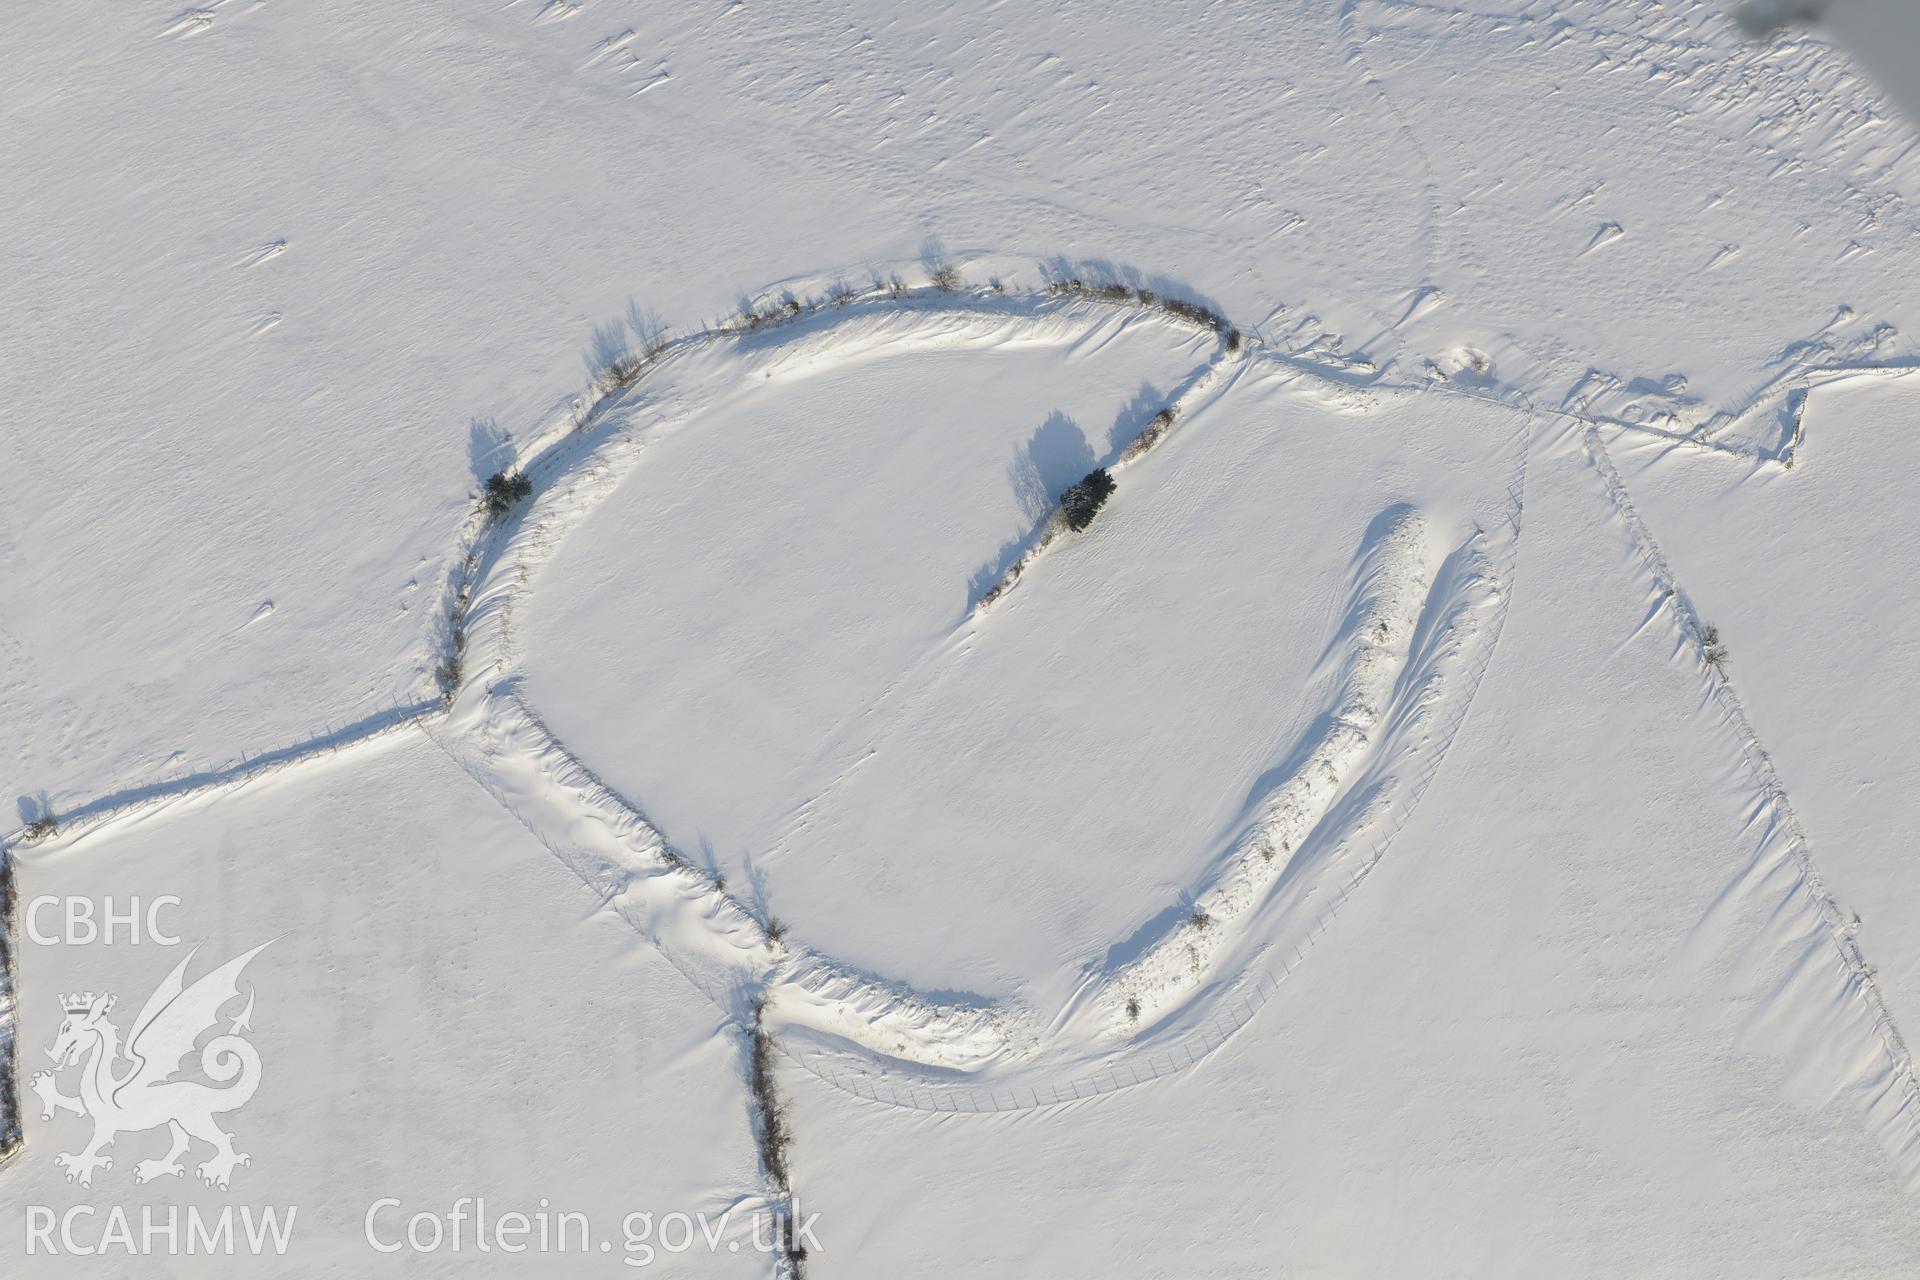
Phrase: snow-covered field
[1444,815]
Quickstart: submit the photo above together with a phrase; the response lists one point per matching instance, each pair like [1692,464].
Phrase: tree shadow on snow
[1054,457]
[1104,271]
[33,808]
[639,330]
[489,448]
[611,342]
[1132,420]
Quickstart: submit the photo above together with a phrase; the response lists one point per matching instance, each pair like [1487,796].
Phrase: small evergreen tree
[1080,503]
[504,489]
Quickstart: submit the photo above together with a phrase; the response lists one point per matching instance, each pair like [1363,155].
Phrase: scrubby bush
[796,1247]
[1194,313]
[1156,432]
[1113,291]
[448,674]
[1081,502]
[504,489]
[754,317]
[624,371]
[775,1134]
[44,827]
[945,278]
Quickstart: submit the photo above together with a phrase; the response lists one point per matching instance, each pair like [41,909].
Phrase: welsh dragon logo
[143,1093]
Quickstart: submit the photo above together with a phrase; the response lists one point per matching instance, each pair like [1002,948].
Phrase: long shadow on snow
[346,735]
[1101,271]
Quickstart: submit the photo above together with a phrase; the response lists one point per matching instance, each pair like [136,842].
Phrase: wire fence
[245,767]
[1773,792]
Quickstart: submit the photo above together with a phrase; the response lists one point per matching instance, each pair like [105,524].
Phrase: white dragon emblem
[145,1095]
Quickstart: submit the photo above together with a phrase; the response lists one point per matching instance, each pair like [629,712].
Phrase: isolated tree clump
[504,489]
[1081,502]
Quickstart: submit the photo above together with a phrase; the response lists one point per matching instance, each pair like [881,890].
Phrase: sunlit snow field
[1445,815]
